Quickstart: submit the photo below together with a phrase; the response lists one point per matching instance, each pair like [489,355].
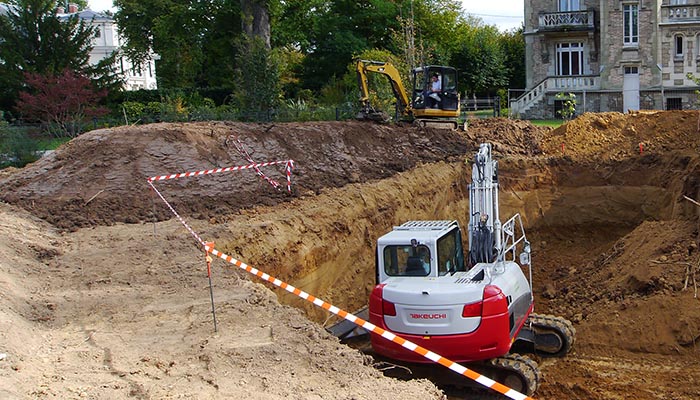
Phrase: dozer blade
[345,329]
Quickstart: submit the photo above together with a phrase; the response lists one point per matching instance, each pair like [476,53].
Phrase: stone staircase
[533,103]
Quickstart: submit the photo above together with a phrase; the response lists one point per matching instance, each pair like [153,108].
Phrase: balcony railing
[579,20]
[583,82]
[680,14]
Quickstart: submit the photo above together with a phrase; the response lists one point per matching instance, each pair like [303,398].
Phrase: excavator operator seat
[414,266]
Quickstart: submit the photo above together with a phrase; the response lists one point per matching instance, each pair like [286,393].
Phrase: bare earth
[104,295]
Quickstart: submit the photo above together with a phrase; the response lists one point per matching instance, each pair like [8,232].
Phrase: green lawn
[554,123]
[51,143]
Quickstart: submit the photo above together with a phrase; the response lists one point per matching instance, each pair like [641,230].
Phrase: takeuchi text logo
[429,316]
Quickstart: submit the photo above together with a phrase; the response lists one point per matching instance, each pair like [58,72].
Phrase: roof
[5,8]
[88,15]
[426,232]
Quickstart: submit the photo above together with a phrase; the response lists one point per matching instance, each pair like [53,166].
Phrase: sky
[505,14]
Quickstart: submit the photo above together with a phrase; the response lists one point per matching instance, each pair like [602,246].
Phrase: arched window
[678,46]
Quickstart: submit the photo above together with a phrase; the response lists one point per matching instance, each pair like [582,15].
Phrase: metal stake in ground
[211,288]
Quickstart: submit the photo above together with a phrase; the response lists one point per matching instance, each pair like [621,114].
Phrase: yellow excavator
[433,102]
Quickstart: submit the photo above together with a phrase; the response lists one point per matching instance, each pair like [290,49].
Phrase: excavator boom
[392,74]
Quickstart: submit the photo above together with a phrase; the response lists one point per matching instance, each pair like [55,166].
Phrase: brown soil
[100,301]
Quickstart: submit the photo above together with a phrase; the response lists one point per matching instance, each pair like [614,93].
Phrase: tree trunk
[255,19]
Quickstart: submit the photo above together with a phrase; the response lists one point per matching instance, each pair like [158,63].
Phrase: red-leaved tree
[61,102]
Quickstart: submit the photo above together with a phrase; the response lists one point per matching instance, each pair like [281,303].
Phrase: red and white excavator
[475,309]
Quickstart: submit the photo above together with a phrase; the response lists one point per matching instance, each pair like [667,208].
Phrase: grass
[554,123]
[51,143]
[480,113]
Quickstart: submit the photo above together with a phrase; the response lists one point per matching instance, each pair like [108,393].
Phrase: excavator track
[436,123]
[516,371]
[551,335]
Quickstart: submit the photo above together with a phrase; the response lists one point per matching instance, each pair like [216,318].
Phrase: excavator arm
[387,69]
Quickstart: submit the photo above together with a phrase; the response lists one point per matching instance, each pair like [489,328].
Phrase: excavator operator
[432,95]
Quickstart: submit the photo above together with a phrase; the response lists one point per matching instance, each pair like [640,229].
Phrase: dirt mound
[100,177]
[615,136]
[642,276]
[95,315]
[507,136]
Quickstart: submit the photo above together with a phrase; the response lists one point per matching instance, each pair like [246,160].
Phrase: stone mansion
[613,55]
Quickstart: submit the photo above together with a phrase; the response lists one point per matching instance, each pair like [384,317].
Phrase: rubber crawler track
[554,324]
[524,367]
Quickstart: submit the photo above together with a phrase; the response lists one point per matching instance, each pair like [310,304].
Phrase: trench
[573,213]
[326,245]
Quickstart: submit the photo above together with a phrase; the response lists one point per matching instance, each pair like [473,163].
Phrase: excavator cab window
[450,253]
[406,260]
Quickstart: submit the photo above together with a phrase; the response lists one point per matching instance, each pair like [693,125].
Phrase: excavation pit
[108,282]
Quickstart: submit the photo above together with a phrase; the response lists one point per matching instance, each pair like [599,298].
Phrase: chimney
[60,10]
[72,8]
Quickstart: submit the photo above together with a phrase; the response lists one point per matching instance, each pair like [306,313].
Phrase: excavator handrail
[509,234]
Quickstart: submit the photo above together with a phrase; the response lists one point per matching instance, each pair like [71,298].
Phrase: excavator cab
[446,99]
[428,104]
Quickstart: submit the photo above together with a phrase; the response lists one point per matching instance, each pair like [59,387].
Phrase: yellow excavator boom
[394,77]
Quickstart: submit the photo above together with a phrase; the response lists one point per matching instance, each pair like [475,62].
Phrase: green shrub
[16,147]
[133,110]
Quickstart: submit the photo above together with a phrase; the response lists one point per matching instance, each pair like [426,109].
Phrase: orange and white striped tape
[460,369]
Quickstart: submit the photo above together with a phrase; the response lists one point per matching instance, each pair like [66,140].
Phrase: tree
[513,45]
[258,72]
[568,105]
[438,24]
[480,59]
[197,41]
[34,39]
[61,102]
[342,29]
[255,20]
[173,29]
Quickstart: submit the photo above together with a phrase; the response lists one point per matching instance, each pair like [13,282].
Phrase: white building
[106,41]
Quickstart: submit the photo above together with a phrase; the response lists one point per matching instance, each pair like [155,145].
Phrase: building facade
[612,55]
[107,40]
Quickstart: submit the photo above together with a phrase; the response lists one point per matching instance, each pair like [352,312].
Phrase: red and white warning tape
[289,165]
[241,149]
[288,169]
[182,220]
[489,383]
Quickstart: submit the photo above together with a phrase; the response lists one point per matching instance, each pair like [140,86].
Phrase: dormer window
[678,46]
